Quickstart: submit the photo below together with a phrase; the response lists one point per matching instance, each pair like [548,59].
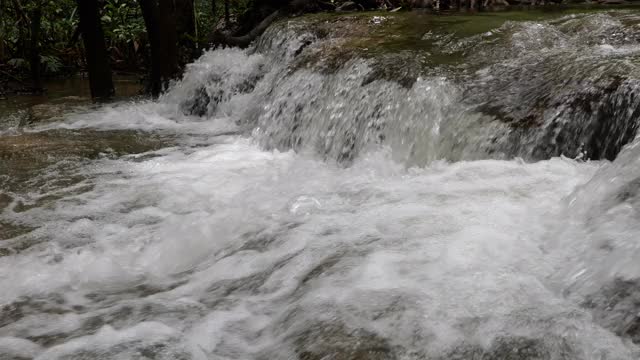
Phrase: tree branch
[245,40]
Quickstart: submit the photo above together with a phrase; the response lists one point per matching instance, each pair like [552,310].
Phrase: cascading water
[293,206]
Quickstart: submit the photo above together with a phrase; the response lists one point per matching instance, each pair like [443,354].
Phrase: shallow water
[71,91]
[278,224]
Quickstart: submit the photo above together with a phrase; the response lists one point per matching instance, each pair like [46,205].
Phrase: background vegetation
[60,49]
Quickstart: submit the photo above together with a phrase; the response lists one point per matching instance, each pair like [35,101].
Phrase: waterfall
[533,90]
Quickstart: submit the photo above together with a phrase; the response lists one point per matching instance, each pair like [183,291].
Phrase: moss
[356,35]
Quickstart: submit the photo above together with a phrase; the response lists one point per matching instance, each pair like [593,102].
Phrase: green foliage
[58,23]
[18,63]
[122,22]
[51,64]
[60,49]
[124,31]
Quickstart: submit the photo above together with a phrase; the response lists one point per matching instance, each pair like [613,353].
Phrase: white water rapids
[222,247]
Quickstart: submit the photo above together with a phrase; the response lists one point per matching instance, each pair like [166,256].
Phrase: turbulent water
[301,212]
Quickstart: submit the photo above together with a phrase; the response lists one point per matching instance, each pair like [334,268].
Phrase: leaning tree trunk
[34,49]
[100,80]
[219,38]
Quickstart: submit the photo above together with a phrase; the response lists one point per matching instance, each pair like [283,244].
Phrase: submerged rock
[553,116]
[43,146]
[53,111]
[617,307]
[512,348]
[328,341]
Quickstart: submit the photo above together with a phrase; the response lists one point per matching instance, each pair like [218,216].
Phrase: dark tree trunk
[159,19]
[213,9]
[186,30]
[22,23]
[169,37]
[100,80]
[2,23]
[2,51]
[150,14]
[34,49]
[185,19]
[227,16]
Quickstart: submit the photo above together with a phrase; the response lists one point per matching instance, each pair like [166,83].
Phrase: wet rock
[10,230]
[44,146]
[550,116]
[520,348]
[14,348]
[41,112]
[53,110]
[5,200]
[360,35]
[217,89]
[135,350]
[337,342]
[617,307]
[612,2]
[25,306]
[511,348]
[400,68]
[628,191]
[198,104]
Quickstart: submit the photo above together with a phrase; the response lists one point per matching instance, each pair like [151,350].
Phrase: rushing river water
[277,205]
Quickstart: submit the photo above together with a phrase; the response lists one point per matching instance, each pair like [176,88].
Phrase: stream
[335,192]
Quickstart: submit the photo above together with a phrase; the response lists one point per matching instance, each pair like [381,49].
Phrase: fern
[52,64]
[18,63]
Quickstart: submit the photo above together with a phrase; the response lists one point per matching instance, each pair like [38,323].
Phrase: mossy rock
[39,147]
[372,34]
